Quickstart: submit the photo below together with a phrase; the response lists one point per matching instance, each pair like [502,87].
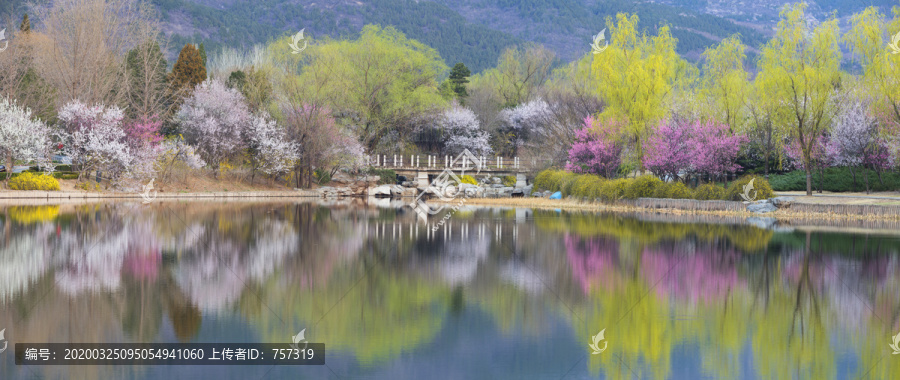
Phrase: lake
[493,293]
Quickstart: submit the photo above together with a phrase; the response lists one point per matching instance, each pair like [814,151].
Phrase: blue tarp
[556,195]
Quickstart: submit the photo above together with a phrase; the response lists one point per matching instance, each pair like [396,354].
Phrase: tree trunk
[821,178]
[866,177]
[852,173]
[808,181]
[9,169]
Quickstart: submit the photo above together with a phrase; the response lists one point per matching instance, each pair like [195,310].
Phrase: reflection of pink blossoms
[142,265]
[704,275]
[592,260]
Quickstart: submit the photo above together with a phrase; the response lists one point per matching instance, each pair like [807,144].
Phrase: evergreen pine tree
[459,76]
[189,70]
[203,55]
[25,27]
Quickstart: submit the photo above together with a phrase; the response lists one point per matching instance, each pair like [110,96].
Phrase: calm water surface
[494,294]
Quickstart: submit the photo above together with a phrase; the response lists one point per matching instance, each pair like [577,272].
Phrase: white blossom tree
[463,131]
[519,123]
[272,151]
[95,138]
[215,119]
[21,137]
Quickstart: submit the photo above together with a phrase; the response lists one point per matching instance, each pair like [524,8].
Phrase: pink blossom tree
[714,149]
[21,137]
[597,149]
[667,151]
[145,142]
[679,148]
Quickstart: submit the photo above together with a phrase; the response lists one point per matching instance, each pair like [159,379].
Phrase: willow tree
[881,68]
[377,83]
[724,84]
[635,75]
[803,69]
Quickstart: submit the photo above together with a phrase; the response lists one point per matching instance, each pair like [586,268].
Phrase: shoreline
[782,215]
[23,197]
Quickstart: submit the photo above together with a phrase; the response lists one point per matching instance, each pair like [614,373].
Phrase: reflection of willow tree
[790,337]
[383,315]
[640,337]
[744,237]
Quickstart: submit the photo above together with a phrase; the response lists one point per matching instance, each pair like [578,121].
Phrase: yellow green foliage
[761,188]
[509,180]
[30,181]
[468,179]
[673,190]
[587,186]
[549,179]
[613,190]
[566,182]
[642,187]
[88,186]
[709,192]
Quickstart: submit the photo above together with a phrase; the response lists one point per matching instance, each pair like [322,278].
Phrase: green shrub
[566,182]
[64,175]
[587,185]
[710,192]
[678,190]
[509,181]
[761,188]
[549,179]
[322,176]
[468,179]
[613,190]
[837,180]
[30,181]
[63,168]
[641,187]
[386,176]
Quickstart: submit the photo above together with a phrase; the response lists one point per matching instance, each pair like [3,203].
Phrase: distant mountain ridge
[473,31]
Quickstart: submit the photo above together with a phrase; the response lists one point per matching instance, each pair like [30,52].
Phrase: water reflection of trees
[372,283]
[798,305]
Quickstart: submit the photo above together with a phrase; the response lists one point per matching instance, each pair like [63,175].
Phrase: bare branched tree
[81,45]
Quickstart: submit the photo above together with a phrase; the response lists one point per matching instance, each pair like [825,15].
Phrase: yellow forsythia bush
[30,181]
[468,179]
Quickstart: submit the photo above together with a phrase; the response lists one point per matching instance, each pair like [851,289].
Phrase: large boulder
[782,202]
[381,191]
[761,207]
